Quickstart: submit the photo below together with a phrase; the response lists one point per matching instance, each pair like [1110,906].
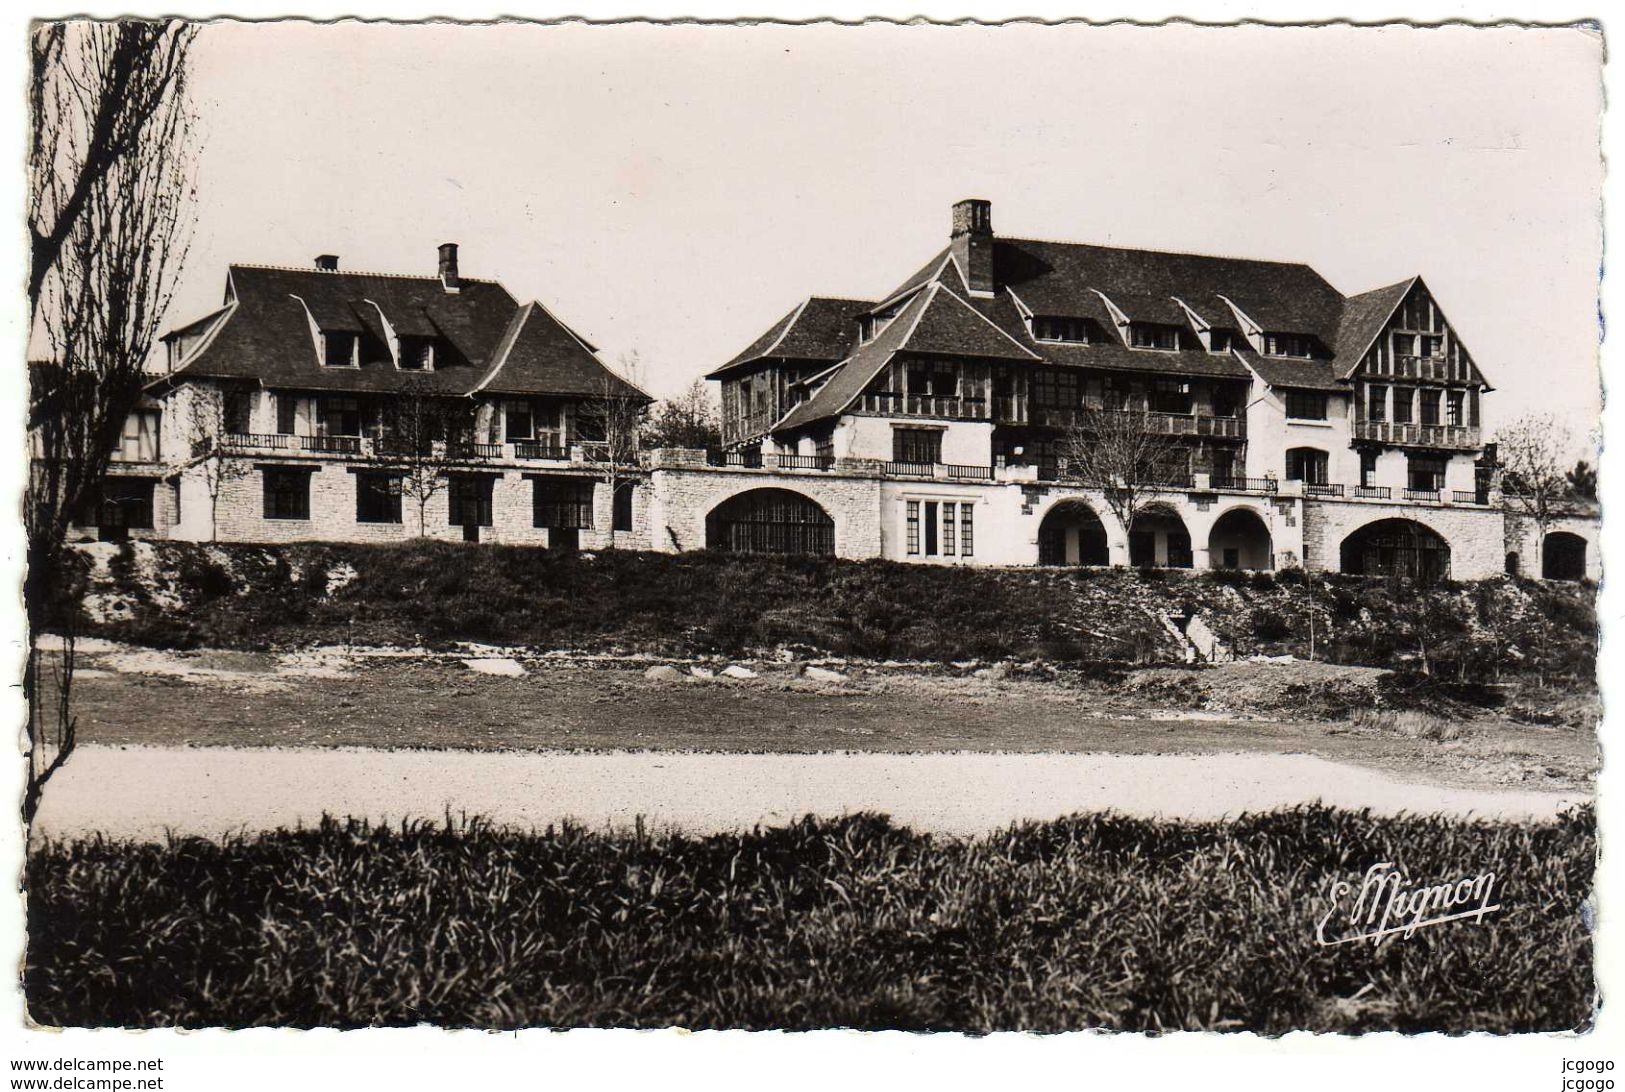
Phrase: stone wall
[1476,535]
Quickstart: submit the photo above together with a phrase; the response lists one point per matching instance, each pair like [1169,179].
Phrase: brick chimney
[327,263]
[448,267]
[972,243]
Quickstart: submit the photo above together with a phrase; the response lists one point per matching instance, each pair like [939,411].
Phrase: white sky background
[674,190]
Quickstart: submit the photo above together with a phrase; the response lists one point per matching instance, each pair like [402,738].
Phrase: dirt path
[145,792]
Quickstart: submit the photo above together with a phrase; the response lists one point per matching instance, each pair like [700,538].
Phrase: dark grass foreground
[1090,922]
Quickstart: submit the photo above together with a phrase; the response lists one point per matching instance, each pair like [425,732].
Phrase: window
[417,354]
[936,382]
[1376,403]
[1404,397]
[1053,389]
[1227,402]
[517,421]
[1430,407]
[562,503]
[931,528]
[1307,465]
[621,509]
[950,528]
[1404,344]
[378,498]
[913,522]
[235,406]
[1061,329]
[916,445]
[1288,345]
[1368,469]
[1171,396]
[1306,405]
[339,350]
[1222,468]
[1153,335]
[1219,341]
[139,442]
[287,493]
[287,407]
[1432,345]
[1426,472]
[967,536]
[340,416]
[468,500]
[825,448]
[1455,407]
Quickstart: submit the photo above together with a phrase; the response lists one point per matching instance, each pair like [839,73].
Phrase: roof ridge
[1154,250]
[354,273]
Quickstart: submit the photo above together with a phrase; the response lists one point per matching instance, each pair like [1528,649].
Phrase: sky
[671,191]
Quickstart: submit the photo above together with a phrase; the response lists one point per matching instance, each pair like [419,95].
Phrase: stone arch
[770,521]
[1158,539]
[1072,534]
[1563,556]
[1397,547]
[1240,539]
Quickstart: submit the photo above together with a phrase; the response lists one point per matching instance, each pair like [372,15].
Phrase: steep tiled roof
[950,326]
[265,334]
[1309,375]
[858,370]
[1362,320]
[819,328]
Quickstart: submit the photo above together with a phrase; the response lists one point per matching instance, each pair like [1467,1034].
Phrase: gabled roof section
[857,371]
[1293,374]
[540,355]
[930,271]
[820,328]
[1363,318]
[1142,307]
[950,326]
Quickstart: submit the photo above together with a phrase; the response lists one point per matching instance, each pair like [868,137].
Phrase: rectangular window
[417,354]
[139,441]
[967,534]
[287,407]
[378,498]
[339,350]
[235,407]
[562,503]
[1455,408]
[913,523]
[1306,464]
[1051,389]
[1403,397]
[125,503]
[1288,345]
[1171,396]
[1404,344]
[340,417]
[621,510]
[468,500]
[517,423]
[1368,469]
[1430,407]
[1306,405]
[921,446]
[930,528]
[950,528]
[1426,472]
[1061,329]
[1432,345]
[1376,403]
[287,493]
[1219,341]
[1153,335]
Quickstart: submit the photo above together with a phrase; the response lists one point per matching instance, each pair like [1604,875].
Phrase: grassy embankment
[254,597]
[1088,922]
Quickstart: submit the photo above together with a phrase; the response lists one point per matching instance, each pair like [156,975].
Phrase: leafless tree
[214,461]
[1532,453]
[110,196]
[690,420]
[423,438]
[611,425]
[1122,451]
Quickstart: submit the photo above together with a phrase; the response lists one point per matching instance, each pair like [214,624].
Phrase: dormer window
[339,350]
[1153,335]
[1219,341]
[1074,330]
[1299,345]
[417,354]
[870,326]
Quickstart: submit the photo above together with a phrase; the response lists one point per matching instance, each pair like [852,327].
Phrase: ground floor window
[1397,547]
[287,493]
[967,536]
[468,500]
[378,498]
[125,505]
[939,528]
[561,503]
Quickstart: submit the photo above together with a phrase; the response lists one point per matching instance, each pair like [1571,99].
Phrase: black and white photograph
[871,526]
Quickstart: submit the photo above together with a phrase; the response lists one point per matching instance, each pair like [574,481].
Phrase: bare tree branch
[1121,450]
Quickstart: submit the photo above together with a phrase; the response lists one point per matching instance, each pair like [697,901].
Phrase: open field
[330,698]
[1089,922]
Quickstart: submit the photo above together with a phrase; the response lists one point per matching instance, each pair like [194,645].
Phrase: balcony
[1163,424]
[897,404]
[538,449]
[467,449]
[1245,485]
[1429,495]
[1410,434]
[1373,492]
[256,441]
[1422,367]
[1322,489]
[806,462]
[331,445]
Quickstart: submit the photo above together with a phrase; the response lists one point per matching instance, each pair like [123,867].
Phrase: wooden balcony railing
[1411,434]
[1246,485]
[898,404]
[257,441]
[331,445]
[1165,424]
[1373,492]
[539,449]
